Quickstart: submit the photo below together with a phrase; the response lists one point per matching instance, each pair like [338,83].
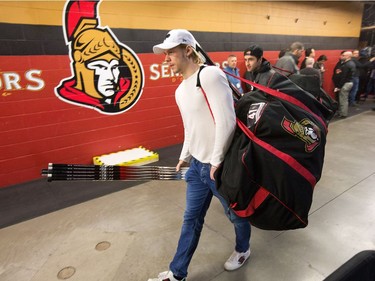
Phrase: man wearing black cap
[258,69]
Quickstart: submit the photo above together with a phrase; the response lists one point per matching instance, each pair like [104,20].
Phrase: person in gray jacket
[288,64]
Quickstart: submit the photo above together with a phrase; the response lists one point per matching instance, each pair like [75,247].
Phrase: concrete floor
[131,234]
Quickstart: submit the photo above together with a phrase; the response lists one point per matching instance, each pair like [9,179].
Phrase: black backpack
[277,154]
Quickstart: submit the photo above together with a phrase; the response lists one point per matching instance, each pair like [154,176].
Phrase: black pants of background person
[363,80]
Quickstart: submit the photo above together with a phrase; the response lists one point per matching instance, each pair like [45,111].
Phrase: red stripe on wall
[36,127]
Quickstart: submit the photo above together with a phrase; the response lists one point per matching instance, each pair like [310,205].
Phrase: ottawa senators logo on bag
[106,75]
[305,130]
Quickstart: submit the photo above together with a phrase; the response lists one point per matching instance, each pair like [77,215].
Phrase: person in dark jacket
[337,71]
[319,64]
[310,70]
[343,81]
[258,69]
[365,67]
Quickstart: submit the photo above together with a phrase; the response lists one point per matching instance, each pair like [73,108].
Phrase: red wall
[37,128]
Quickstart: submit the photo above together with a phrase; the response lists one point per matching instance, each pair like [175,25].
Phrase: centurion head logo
[106,74]
[305,130]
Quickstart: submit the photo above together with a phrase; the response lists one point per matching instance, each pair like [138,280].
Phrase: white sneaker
[236,260]
[165,276]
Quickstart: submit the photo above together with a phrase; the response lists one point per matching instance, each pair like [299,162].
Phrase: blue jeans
[353,91]
[199,192]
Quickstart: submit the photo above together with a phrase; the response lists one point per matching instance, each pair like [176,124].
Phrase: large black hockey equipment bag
[276,156]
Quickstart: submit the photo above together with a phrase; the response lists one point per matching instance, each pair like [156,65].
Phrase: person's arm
[180,164]
[321,79]
[369,64]
[220,100]
[185,155]
[334,74]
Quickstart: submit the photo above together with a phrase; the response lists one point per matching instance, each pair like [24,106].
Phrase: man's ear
[189,50]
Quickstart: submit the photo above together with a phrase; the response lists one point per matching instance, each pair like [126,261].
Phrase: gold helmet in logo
[92,44]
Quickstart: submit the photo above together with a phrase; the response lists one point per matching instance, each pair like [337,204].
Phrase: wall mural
[106,75]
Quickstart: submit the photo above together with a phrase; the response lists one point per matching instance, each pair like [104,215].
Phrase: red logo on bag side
[305,130]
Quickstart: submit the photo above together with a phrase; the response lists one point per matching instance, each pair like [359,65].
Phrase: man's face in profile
[108,75]
[252,62]
[299,52]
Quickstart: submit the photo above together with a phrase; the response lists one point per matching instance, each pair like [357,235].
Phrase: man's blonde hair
[195,56]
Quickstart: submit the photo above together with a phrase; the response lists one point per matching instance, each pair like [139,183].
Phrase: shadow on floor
[35,198]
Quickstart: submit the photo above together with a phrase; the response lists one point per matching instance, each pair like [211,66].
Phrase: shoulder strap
[198,79]
[199,85]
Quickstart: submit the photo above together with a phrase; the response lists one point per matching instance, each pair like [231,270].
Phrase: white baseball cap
[174,38]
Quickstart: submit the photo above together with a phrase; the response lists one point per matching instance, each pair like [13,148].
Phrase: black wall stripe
[20,39]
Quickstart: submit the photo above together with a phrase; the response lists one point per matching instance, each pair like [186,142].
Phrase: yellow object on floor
[130,157]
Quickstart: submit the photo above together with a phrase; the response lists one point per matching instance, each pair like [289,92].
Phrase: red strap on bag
[280,95]
[281,155]
[209,107]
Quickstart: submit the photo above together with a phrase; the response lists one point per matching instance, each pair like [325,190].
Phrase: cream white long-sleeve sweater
[207,137]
